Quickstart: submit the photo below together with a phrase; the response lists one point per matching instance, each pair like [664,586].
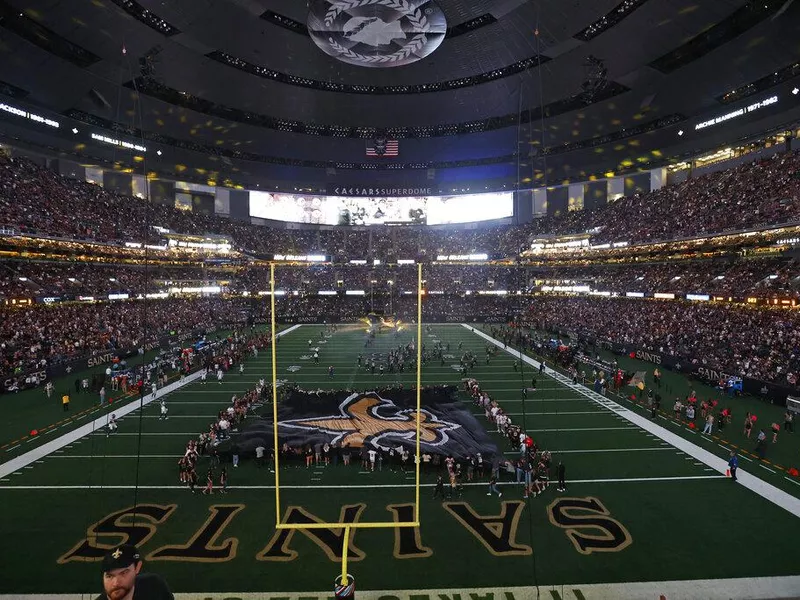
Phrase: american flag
[383,147]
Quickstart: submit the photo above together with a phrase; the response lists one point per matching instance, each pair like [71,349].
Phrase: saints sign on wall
[376,33]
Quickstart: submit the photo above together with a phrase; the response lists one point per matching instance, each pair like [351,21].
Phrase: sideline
[22,461]
[751,482]
[15,464]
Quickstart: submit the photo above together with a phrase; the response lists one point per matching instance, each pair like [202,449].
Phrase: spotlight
[680,132]
[158,152]
[74,130]
[796,91]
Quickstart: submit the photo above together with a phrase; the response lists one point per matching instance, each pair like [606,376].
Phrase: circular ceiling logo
[376,33]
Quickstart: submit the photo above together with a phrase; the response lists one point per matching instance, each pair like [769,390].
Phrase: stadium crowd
[35,200]
[761,343]
[36,337]
[751,195]
[756,342]
[740,277]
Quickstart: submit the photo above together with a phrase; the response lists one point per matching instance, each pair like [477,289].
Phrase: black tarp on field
[380,419]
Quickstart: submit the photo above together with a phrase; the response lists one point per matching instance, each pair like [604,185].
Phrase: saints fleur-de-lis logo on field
[370,419]
[376,33]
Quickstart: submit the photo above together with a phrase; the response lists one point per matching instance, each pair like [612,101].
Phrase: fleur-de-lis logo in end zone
[376,33]
[372,420]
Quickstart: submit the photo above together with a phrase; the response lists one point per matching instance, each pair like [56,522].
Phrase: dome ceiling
[494,81]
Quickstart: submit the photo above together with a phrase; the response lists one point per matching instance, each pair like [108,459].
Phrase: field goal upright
[344,584]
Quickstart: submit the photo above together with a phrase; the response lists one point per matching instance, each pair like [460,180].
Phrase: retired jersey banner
[379,420]
[376,33]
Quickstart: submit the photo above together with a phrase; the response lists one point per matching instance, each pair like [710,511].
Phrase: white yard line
[216,391]
[581,429]
[351,486]
[533,399]
[762,488]
[600,450]
[143,434]
[175,456]
[182,402]
[550,413]
[184,416]
[511,453]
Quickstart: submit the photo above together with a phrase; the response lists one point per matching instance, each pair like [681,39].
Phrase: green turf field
[637,509]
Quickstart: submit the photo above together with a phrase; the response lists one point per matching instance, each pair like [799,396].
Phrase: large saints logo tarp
[376,419]
[376,33]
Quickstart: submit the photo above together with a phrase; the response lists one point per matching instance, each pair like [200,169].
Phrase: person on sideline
[493,489]
[709,424]
[733,464]
[562,473]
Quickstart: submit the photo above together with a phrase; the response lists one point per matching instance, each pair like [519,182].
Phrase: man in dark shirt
[123,579]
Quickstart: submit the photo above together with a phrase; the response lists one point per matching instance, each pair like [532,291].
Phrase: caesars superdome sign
[376,33]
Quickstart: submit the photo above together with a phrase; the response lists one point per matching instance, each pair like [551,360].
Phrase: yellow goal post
[417,459]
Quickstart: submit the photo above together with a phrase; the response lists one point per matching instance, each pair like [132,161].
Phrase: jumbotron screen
[341,210]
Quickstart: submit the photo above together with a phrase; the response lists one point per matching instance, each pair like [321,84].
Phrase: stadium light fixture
[74,130]
[158,152]
[680,132]
[796,91]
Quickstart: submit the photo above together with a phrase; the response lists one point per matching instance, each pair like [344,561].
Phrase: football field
[643,504]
